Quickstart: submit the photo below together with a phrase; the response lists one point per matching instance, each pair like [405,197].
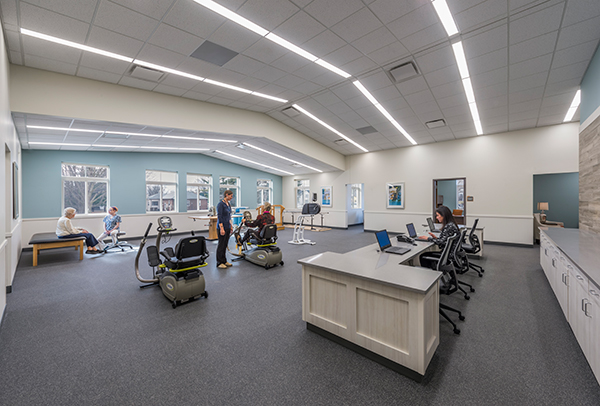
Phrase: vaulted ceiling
[525,59]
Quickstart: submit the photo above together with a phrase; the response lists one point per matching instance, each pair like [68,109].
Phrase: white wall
[10,241]
[499,170]
[89,99]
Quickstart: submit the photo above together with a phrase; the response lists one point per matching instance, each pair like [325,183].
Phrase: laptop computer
[385,245]
[412,233]
[432,226]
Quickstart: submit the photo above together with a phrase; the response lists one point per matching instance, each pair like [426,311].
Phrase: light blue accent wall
[447,188]
[590,88]
[561,191]
[42,187]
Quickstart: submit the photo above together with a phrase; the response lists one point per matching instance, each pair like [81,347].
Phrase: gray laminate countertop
[369,264]
[582,248]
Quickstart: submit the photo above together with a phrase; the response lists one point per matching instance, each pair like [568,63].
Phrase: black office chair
[448,281]
[461,261]
[472,248]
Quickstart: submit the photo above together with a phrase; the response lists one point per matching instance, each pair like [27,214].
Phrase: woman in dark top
[224,226]
[449,229]
[260,222]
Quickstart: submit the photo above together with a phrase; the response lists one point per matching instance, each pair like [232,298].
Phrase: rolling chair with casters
[472,248]
[448,281]
[119,244]
[461,261]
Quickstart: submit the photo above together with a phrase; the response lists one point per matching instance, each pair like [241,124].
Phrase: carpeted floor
[83,333]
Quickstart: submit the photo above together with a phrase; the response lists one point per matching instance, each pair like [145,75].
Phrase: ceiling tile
[425,38]
[535,24]
[488,62]
[574,71]
[49,23]
[530,66]
[414,21]
[576,53]
[124,21]
[137,83]
[193,18]
[265,51]
[374,40]
[160,56]
[80,9]
[108,65]
[299,29]
[434,60]
[357,25]
[50,64]
[114,42]
[389,53]
[390,10]
[532,48]
[174,39]
[155,9]
[331,12]
[267,13]
[51,51]
[578,11]
[579,33]
[480,14]
[234,37]
[486,41]
[442,76]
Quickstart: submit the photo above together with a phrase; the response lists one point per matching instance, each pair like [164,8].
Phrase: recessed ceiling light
[574,106]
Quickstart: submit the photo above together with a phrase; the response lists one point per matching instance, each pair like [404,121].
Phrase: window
[302,193]
[161,191]
[356,196]
[199,191]
[85,188]
[232,184]
[264,191]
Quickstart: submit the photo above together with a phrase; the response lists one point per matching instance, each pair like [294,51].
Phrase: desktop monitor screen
[383,239]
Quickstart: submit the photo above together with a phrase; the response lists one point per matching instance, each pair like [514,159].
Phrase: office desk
[368,302]
[478,233]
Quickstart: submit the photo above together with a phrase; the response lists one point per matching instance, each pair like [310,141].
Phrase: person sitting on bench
[64,229]
[261,221]
[112,225]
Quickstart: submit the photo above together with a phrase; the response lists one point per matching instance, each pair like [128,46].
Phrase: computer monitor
[383,239]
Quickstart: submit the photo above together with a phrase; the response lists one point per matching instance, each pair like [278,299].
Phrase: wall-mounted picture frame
[395,195]
[15,190]
[326,196]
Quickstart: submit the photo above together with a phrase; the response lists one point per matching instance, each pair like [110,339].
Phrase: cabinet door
[594,313]
[562,284]
[583,316]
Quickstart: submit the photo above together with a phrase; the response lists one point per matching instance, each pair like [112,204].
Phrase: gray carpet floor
[83,333]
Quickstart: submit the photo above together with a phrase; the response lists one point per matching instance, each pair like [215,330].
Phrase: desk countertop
[368,263]
[582,248]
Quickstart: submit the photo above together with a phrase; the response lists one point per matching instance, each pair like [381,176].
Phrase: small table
[212,225]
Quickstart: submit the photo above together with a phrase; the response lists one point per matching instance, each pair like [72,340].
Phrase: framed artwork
[395,195]
[326,196]
[15,190]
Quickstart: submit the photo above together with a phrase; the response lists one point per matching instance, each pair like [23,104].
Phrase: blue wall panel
[42,185]
[561,191]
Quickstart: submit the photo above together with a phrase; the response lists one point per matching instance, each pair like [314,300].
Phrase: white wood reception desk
[368,302]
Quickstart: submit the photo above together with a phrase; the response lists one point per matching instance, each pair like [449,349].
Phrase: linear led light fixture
[75,45]
[114,146]
[59,143]
[282,157]
[252,162]
[383,111]
[443,12]
[40,127]
[330,128]
[225,12]
[461,60]
[144,63]
[181,137]
[138,134]
[574,106]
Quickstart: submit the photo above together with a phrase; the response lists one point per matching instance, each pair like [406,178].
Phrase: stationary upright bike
[179,275]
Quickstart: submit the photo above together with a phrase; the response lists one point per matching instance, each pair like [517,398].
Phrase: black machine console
[405,238]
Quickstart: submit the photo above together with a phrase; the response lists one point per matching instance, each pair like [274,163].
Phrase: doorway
[451,193]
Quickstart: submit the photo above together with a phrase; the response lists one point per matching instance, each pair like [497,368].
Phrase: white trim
[590,120]
[469,215]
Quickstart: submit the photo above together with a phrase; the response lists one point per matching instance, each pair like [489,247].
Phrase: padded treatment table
[41,241]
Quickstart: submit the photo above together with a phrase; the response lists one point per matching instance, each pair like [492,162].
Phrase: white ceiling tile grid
[526,59]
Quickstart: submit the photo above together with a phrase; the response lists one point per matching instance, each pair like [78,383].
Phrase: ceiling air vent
[148,74]
[213,53]
[341,141]
[403,72]
[366,130]
[290,112]
[436,123]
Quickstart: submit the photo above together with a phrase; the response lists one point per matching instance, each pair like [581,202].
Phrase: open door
[451,193]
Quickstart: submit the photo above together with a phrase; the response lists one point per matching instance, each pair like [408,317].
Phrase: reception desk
[370,303]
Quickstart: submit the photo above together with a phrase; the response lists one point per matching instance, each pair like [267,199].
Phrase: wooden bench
[42,241]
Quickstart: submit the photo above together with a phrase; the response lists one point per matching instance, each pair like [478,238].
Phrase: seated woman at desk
[449,229]
[261,221]
[64,229]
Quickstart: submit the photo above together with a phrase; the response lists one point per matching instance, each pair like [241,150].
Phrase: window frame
[356,187]
[162,183]
[237,193]
[262,188]
[305,189]
[86,180]
[208,185]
